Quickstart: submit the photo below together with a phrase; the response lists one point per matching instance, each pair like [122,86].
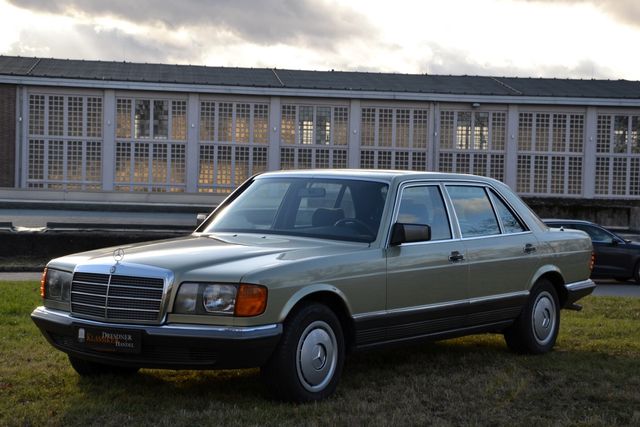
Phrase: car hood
[221,257]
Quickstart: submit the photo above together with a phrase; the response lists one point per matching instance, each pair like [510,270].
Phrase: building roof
[321,80]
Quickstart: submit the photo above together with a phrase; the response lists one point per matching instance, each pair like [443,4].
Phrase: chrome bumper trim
[184,331]
[577,286]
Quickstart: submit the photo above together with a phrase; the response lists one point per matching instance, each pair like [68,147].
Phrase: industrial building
[120,132]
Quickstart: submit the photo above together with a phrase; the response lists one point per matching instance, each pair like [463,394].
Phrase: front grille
[116,297]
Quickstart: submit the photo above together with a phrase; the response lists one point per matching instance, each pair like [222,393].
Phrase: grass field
[592,378]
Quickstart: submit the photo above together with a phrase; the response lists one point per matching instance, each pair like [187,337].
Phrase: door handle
[456,256]
[529,248]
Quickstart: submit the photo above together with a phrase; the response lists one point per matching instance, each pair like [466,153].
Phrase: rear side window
[474,211]
[510,223]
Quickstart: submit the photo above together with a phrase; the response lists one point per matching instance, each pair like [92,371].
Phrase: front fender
[302,293]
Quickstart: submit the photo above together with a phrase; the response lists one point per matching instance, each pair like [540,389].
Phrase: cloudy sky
[533,38]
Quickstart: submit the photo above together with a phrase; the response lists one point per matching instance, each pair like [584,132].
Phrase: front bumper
[577,290]
[167,346]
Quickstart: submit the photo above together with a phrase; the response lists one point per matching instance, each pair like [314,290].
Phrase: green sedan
[296,269]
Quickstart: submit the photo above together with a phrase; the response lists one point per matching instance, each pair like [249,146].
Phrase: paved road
[607,288]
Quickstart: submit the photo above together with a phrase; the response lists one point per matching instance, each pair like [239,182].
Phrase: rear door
[500,252]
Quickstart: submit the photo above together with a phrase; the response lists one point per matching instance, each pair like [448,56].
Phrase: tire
[636,273]
[536,328]
[307,363]
[85,368]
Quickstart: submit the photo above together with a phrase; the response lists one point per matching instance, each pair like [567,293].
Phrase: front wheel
[86,368]
[307,363]
[536,329]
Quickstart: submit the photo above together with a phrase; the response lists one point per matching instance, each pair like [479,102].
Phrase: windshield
[326,208]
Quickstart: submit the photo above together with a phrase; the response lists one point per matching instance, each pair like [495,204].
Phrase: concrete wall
[623,214]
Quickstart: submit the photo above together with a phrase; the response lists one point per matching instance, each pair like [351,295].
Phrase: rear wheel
[86,368]
[536,329]
[307,363]
[636,273]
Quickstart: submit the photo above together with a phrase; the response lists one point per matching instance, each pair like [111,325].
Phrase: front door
[426,281]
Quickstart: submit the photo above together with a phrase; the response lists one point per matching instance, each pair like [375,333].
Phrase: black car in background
[615,256]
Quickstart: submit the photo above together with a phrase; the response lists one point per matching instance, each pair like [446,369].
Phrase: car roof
[377,174]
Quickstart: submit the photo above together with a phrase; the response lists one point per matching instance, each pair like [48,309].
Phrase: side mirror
[200,218]
[408,233]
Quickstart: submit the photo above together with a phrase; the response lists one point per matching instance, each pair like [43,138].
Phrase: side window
[510,222]
[474,211]
[596,234]
[424,205]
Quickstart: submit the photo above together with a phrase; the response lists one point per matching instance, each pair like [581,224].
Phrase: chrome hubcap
[317,356]
[544,318]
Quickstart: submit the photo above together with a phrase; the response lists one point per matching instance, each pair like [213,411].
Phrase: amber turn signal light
[251,300]
[43,281]
[593,261]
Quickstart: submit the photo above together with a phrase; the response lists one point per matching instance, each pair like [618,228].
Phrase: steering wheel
[359,225]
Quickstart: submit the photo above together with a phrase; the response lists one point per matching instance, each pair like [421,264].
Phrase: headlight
[221,299]
[56,285]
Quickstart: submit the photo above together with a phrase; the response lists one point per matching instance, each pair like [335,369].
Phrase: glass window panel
[603,133]
[56,115]
[142,119]
[498,131]
[123,118]
[481,131]
[576,133]
[243,121]
[420,126]
[36,115]
[207,120]
[288,124]
[368,126]
[74,160]
[179,120]
[402,127]
[305,125]
[525,131]
[160,119]
[558,142]
[94,117]
[463,131]
[385,127]
[446,129]
[510,222]
[340,125]
[56,161]
[323,125]
[474,211]
[261,124]
[225,166]
[424,205]
[260,160]
[524,174]
[94,162]
[634,140]
[620,133]
[159,160]
[36,160]
[75,111]
[225,122]
[542,132]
